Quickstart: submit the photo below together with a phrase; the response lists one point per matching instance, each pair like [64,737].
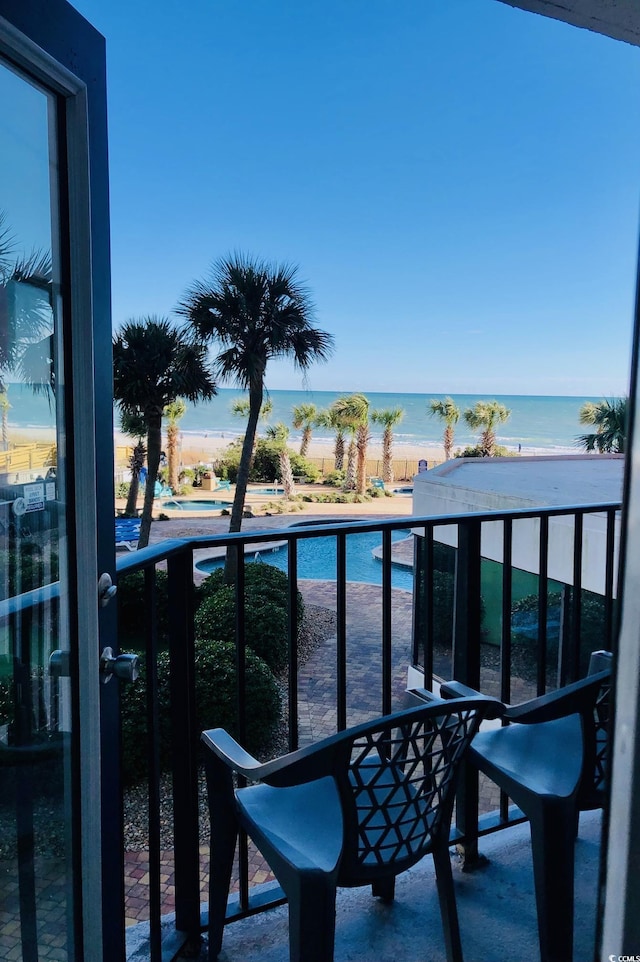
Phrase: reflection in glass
[35,692]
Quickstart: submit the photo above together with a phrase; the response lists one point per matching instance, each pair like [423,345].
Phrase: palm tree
[134,425]
[240,408]
[26,345]
[253,311]
[610,421]
[332,419]
[350,476]
[305,416]
[4,411]
[388,417]
[174,412]
[485,415]
[354,410]
[449,412]
[279,433]
[153,364]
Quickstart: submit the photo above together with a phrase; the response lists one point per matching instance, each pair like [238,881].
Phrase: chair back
[596,737]
[399,785]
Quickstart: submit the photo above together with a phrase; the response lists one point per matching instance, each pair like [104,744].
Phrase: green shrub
[476,451]
[335,478]
[266,462]
[261,580]
[122,489]
[265,624]
[132,621]
[26,566]
[215,705]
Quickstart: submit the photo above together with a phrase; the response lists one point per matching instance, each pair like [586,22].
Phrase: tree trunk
[338,451]
[255,403]
[362,440]
[448,442]
[132,496]
[350,479]
[154,448]
[135,463]
[488,443]
[387,456]
[172,456]
[287,475]
[306,441]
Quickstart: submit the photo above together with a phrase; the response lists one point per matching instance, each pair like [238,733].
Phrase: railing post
[185,746]
[423,620]
[467,634]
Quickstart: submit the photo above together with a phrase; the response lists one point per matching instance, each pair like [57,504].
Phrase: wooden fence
[28,457]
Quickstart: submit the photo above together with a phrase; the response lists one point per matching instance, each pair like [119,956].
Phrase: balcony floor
[496,908]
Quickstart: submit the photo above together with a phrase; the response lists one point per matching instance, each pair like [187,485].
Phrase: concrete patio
[496,908]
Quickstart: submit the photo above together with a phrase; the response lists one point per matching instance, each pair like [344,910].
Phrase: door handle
[125,667]
[106,589]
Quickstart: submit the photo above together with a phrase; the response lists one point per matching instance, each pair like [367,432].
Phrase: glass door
[36,689]
[54,322]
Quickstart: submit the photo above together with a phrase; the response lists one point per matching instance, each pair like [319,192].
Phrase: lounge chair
[377,483]
[127,533]
[222,485]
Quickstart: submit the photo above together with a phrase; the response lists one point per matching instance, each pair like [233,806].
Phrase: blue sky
[458,181]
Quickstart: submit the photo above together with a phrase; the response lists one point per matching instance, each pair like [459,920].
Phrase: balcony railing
[459,615]
[557,648]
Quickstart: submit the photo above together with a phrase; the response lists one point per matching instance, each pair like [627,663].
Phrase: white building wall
[499,484]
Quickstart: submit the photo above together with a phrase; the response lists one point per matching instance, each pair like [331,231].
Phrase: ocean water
[549,423]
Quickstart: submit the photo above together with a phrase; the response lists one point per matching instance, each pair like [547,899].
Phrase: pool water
[186,505]
[265,491]
[317,560]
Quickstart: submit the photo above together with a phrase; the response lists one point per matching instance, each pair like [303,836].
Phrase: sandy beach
[205,448]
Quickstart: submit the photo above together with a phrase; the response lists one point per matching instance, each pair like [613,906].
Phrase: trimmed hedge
[132,610]
[216,696]
[265,624]
[260,580]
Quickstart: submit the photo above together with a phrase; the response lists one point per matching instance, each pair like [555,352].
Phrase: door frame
[51,42]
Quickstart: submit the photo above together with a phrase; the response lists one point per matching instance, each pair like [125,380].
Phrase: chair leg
[312,917]
[224,834]
[553,834]
[223,847]
[447,899]
[384,888]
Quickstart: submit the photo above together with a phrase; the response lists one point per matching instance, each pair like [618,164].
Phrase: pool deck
[260,505]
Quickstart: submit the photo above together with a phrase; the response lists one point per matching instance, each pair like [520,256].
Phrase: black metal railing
[473,540]
[441,628]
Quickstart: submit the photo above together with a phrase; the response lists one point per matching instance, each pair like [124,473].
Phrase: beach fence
[20,458]
[403,468]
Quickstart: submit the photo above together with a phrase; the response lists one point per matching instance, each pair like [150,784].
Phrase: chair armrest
[572,699]
[455,689]
[231,753]
[306,764]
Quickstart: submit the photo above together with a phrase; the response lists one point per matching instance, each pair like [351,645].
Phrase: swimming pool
[317,560]
[265,490]
[186,505]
